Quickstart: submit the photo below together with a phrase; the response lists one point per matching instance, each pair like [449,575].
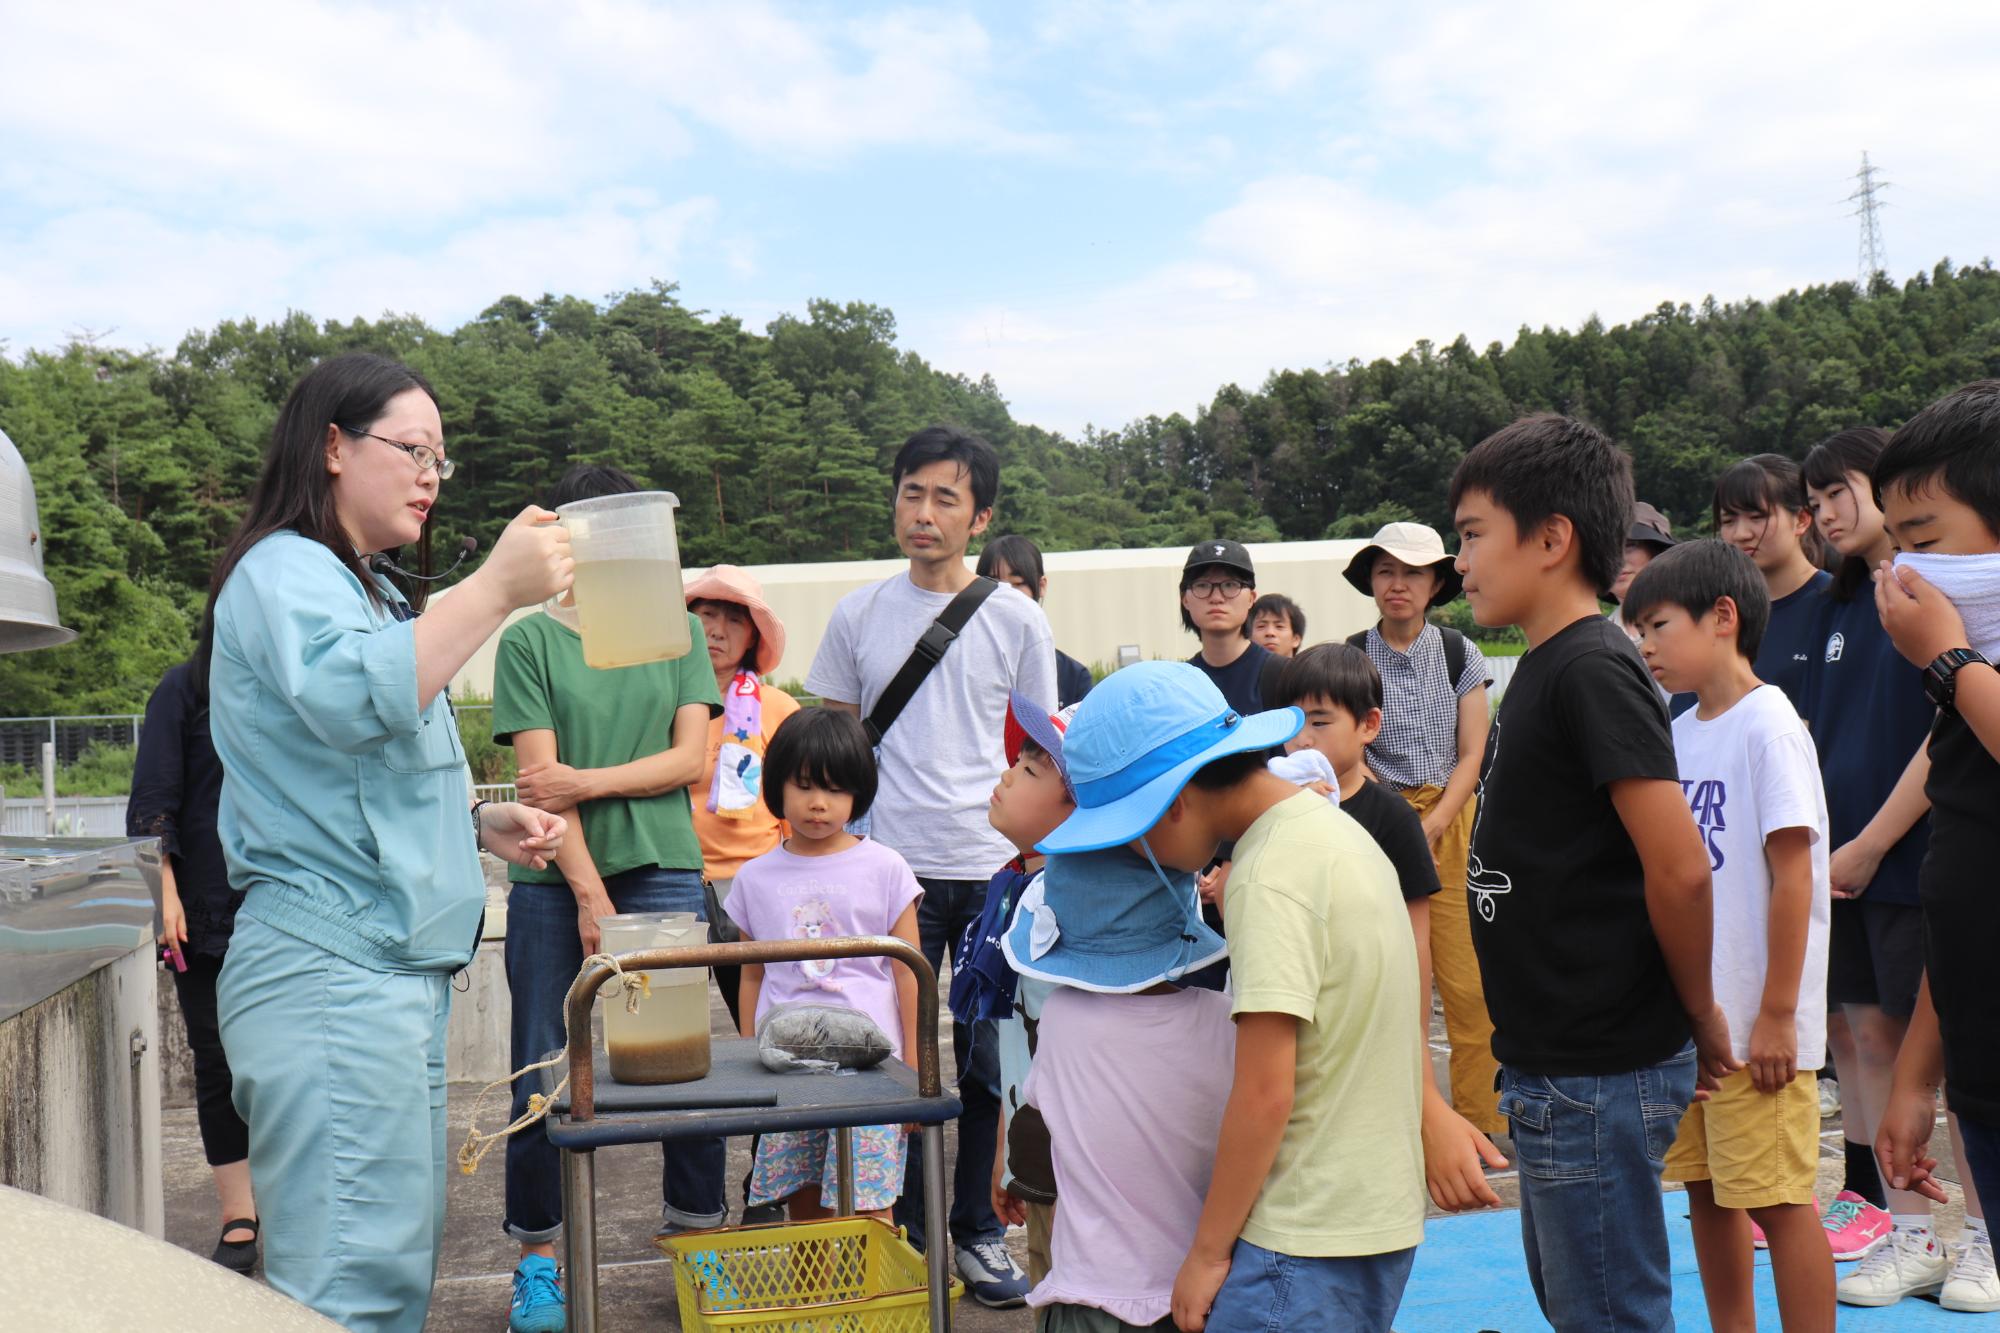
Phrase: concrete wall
[80,1095]
[1098,601]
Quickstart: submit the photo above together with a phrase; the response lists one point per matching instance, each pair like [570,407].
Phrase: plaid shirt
[1418,746]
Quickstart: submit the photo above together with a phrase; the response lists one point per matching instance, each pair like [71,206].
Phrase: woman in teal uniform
[347,824]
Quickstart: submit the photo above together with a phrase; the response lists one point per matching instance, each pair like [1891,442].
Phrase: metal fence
[22,738]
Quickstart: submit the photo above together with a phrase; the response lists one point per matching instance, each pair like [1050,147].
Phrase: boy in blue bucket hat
[1315,1200]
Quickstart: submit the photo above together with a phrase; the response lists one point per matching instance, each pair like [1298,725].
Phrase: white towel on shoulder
[1972,582]
[1304,767]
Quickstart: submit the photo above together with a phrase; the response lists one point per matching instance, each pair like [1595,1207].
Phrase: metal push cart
[740,1097]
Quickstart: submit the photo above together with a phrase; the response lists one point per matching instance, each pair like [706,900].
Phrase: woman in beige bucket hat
[1434,725]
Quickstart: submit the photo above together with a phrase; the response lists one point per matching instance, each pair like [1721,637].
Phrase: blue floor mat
[1470,1276]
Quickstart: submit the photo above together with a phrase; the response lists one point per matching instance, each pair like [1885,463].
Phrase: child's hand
[1902,1142]
[1194,1291]
[1851,869]
[1921,621]
[1210,883]
[1774,1050]
[1454,1152]
[1011,1208]
[1712,1049]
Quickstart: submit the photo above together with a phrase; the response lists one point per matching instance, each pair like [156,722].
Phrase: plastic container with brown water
[666,1039]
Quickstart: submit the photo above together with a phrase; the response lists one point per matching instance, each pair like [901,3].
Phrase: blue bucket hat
[1109,921]
[1137,739]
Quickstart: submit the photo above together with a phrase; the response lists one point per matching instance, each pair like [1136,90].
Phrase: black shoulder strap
[1454,652]
[929,651]
[1454,656]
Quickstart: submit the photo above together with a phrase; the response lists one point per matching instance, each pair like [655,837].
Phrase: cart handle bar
[583,992]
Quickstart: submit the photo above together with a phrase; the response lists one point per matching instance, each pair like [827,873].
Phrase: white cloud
[1567,159]
[170,165]
[119,269]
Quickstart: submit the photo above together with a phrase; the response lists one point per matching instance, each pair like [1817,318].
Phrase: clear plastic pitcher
[666,1039]
[629,605]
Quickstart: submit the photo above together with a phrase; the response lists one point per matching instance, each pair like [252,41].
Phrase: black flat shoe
[238,1256]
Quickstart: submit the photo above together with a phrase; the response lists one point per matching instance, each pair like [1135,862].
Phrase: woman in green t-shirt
[621,748]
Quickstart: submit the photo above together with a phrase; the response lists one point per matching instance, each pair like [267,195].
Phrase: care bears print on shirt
[861,891]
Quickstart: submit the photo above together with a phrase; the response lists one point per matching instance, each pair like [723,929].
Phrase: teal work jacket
[344,804]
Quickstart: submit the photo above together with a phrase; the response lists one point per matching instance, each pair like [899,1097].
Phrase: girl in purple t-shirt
[823,882]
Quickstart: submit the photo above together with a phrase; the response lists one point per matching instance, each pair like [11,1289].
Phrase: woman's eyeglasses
[425,456]
[1208,591]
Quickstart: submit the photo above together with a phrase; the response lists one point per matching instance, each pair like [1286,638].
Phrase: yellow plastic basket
[846,1275]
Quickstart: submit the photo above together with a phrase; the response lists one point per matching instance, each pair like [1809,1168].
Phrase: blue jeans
[1268,1292]
[544,954]
[1590,1149]
[942,915]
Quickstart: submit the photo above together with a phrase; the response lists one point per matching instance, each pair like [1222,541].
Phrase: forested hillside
[776,441]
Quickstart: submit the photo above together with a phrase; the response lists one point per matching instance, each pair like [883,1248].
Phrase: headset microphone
[382,564]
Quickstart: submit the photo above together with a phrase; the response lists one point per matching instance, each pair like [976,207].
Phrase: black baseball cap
[1223,553]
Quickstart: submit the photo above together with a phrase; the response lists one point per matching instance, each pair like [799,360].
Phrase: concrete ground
[636,1284]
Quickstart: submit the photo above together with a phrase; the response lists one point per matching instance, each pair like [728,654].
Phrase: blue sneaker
[538,1298]
[992,1276]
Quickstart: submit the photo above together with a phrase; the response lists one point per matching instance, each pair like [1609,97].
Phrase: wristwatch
[1941,676]
[479,831]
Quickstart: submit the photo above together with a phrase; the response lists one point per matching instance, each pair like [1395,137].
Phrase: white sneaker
[1973,1286]
[1829,1097]
[1911,1264]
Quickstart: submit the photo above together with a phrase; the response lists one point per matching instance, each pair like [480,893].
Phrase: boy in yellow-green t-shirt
[1327,1095]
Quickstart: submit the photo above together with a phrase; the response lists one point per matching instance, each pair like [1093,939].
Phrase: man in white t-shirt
[1749,1154]
[938,763]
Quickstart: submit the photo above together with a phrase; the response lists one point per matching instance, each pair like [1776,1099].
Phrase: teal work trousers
[339,1072]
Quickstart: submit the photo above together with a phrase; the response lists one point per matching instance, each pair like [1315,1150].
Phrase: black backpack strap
[1454,656]
[1358,640]
[928,652]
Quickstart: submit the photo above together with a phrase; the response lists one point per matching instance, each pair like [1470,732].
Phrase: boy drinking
[1327,1093]
[1752,781]
[1938,483]
[1340,691]
[1589,882]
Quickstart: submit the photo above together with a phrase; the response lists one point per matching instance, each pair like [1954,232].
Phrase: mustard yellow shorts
[1757,1149]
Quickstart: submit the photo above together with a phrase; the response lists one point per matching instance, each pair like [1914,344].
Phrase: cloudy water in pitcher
[629,611]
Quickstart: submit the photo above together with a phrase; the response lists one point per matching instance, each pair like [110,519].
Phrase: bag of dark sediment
[820,1039]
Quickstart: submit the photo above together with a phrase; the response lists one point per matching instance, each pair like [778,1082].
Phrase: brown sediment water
[675,1060]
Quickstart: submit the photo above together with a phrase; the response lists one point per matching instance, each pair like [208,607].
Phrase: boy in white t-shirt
[1752,780]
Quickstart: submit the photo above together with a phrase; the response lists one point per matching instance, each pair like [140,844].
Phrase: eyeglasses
[425,456]
[1224,588]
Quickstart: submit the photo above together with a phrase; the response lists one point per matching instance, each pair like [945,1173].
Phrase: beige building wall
[1098,602]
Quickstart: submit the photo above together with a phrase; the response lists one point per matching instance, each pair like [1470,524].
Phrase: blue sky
[1112,208]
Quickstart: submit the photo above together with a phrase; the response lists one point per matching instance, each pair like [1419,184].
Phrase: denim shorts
[1268,1292]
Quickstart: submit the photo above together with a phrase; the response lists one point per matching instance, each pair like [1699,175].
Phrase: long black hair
[294,492]
[1828,463]
[1764,484]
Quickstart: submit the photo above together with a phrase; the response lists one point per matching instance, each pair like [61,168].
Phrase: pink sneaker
[1855,1228]
[1758,1240]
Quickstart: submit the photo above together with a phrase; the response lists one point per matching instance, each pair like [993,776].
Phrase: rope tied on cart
[636,986]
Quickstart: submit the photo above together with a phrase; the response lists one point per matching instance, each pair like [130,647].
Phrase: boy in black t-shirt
[1589,881]
[1938,484]
[1340,692]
